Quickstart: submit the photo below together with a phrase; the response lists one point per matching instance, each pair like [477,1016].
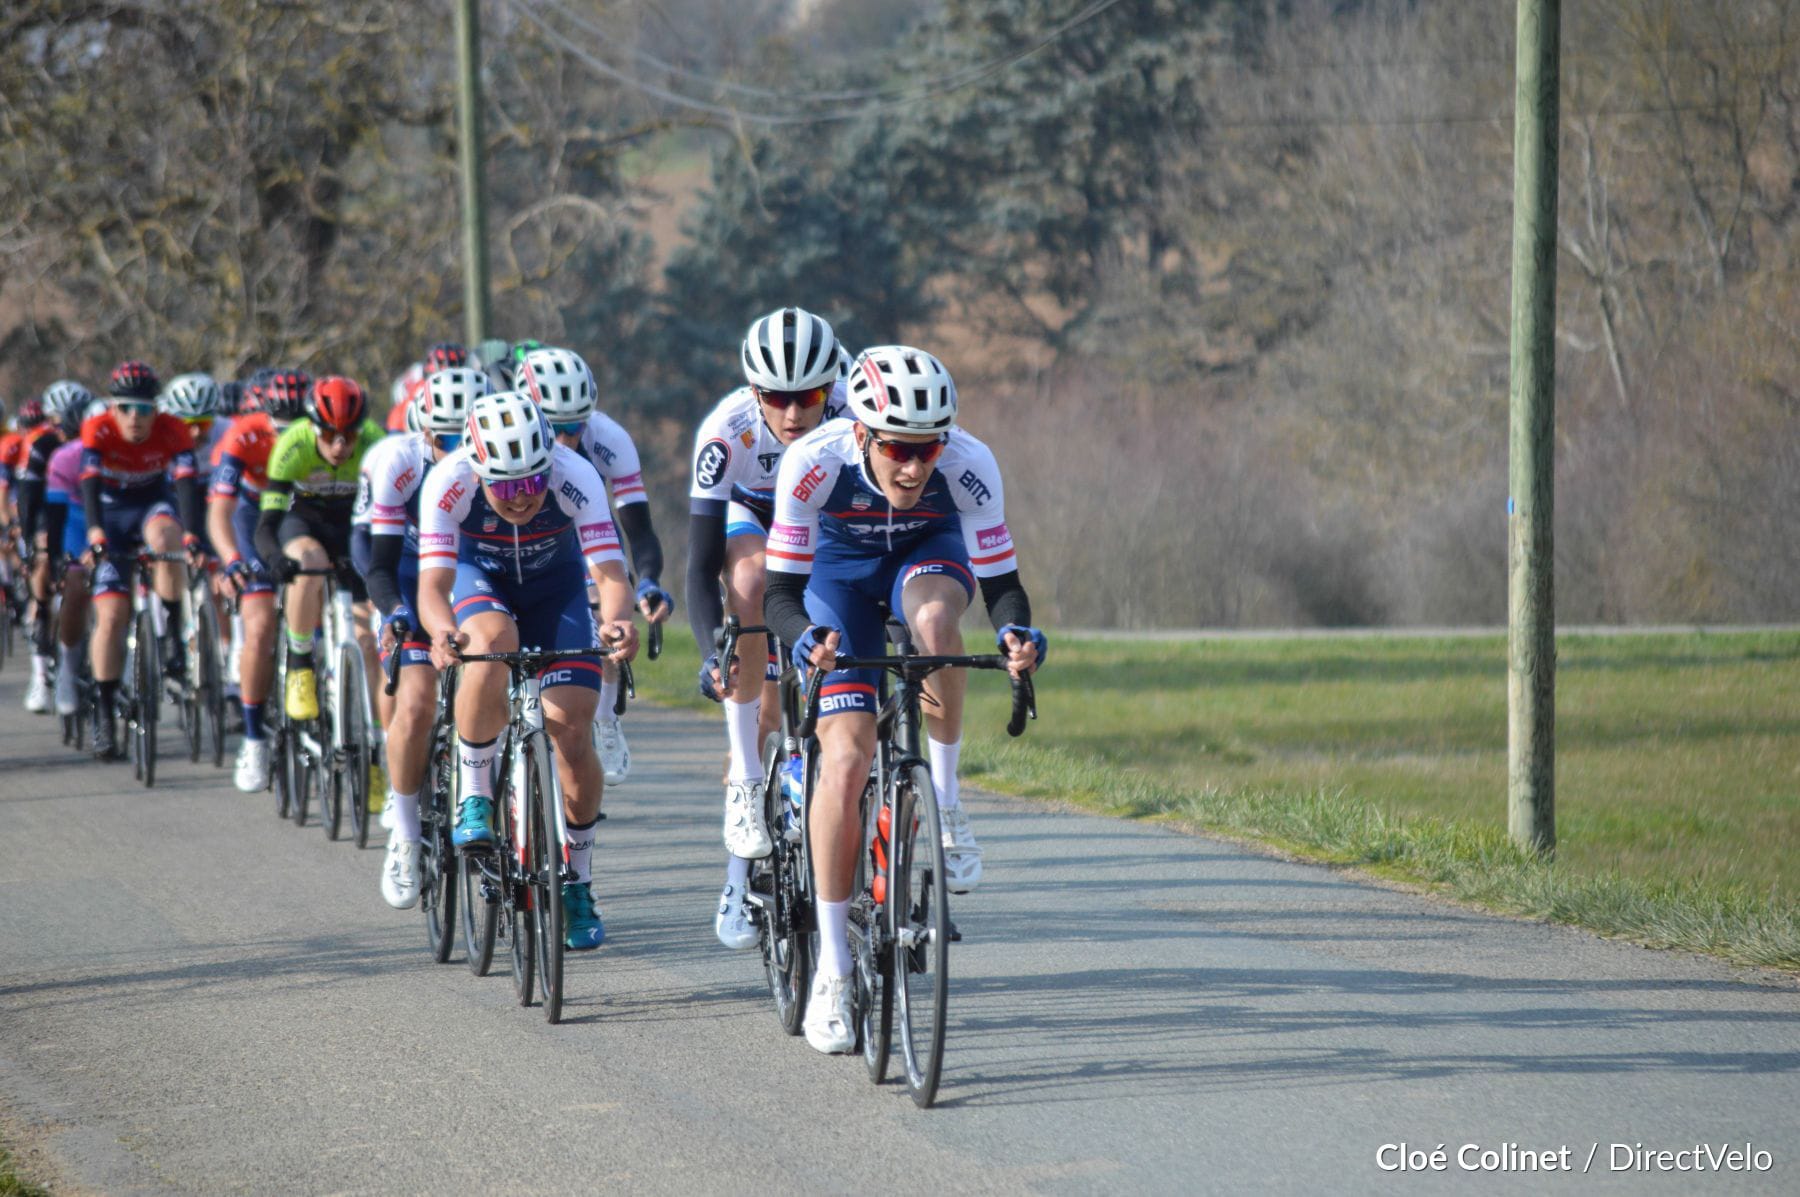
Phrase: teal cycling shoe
[474,824]
[582,929]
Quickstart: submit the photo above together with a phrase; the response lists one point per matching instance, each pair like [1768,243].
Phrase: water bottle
[793,790]
[878,857]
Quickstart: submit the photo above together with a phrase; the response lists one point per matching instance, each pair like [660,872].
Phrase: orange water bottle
[878,855]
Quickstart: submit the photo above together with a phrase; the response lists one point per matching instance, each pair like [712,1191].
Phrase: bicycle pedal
[955,935]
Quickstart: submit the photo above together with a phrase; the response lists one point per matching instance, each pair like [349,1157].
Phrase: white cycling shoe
[615,754]
[400,874]
[962,855]
[252,773]
[68,697]
[37,694]
[746,834]
[732,923]
[829,1027]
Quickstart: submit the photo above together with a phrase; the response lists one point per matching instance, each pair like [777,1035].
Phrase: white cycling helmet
[190,397]
[414,416]
[509,437]
[790,350]
[560,381]
[63,396]
[448,396]
[98,407]
[895,388]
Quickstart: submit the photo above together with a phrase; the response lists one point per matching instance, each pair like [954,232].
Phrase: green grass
[1678,766]
[10,1183]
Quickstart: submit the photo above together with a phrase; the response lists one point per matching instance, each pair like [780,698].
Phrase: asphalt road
[198,998]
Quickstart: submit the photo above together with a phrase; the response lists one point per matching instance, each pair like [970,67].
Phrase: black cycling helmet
[445,355]
[284,393]
[231,398]
[133,380]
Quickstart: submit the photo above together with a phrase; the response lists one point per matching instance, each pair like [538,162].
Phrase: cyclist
[791,369]
[276,398]
[898,505]
[65,536]
[493,357]
[305,522]
[387,517]
[52,422]
[508,523]
[563,387]
[131,452]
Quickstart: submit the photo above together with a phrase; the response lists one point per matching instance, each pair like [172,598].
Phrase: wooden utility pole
[1531,611]
[474,200]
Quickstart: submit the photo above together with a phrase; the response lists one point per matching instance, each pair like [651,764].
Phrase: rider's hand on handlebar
[446,650]
[621,637]
[711,685]
[1021,648]
[653,602]
[820,653]
[196,550]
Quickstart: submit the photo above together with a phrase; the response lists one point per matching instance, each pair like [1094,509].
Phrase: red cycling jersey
[123,465]
[249,441]
[10,456]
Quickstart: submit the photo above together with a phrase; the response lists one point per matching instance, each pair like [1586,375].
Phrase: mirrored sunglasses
[508,489]
[925,452]
[809,398]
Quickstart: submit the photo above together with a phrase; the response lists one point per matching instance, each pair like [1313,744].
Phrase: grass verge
[1678,766]
[11,1185]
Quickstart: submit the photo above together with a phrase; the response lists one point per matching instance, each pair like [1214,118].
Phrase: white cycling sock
[581,851]
[944,758]
[475,763]
[67,660]
[834,938]
[40,667]
[609,698]
[740,729]
[737,873]
[406,814]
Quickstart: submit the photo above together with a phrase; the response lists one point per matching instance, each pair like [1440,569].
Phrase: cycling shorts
[550,613]
[843,593]
[742,521]
[302,519]
[123,517]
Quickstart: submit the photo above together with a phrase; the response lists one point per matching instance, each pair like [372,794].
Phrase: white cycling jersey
[456,522]
[735,448]
[387,494]
[611,451]
[828,510]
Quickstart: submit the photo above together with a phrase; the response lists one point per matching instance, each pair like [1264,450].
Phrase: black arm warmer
[784,606]
[90,501]
[646,550]
[268,535]
[384,572]
[187,502]
[1006,600]
[31,504]
[706,557]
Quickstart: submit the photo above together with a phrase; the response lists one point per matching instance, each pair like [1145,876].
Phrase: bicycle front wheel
[437,856]
[872,950]
[147,678]
[358,740]
[919,905]
[480,914]
[781,887]
[211,681]
[546,873]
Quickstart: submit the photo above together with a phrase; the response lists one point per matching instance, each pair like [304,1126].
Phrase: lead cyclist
[898,505]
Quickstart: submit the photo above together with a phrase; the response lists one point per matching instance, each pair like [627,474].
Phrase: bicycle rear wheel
[358,740]
[546,873]
[331,790]
[919,905]
[438,882]
[783,887]
[147,678]
[480,913]
[211,681]
[872,954]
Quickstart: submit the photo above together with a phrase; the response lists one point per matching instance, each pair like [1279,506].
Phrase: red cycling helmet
[133,380]
[31,414]
[284,393]
[336,402]
[445,355]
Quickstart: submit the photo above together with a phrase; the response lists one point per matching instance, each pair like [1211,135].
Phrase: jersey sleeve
[288,461]
[624,469]
[448,492]
[713,461]
[980,498]
[580,492]
[801,488]
[388,479]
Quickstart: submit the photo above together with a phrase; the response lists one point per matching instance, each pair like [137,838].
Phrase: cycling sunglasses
[448,442]
[508,489]
[335,436]
[810,398]
[569,429]
[923,452]
[134,407]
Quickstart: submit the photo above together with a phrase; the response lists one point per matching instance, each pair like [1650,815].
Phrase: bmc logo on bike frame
[809,483]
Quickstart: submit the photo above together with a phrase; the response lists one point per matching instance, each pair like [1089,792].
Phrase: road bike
[438,862]
[139,703]
[200,696]
[329,757]
[900,928]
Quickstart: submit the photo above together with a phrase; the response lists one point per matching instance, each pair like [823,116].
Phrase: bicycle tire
[212,682]
[358,738]
[872,958]
[919,905]
[781,929]
[301,763]
[480,916]
[187,701]
[546,857]
[516,891]
[148,680]
[331,790]
[275,730]
[438,883]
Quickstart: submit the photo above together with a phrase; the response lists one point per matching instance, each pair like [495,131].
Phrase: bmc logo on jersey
[448,502]
[993,538]
[709,467]
[809,483]
[978,490]
[406,476]
[574,496]
[605,454]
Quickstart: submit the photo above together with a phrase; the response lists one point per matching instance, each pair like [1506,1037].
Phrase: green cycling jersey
[298,472]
